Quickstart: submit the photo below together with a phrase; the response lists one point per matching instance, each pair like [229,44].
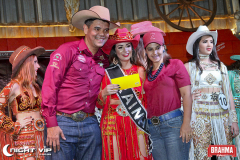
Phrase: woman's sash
[130,101]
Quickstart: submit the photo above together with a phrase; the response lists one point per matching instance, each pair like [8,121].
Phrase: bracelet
[233,116]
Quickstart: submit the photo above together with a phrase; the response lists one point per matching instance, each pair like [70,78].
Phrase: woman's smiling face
[154,52]
[124,51]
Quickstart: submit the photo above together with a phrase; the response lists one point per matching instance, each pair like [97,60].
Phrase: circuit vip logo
[44,150]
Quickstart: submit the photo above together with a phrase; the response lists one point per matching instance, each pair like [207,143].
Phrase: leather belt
[156,120]
[78,116]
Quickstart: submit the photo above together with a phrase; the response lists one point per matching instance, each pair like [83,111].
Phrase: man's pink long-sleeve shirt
[72,80]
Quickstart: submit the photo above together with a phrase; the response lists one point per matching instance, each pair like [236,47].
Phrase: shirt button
[90,79]
[86,102]
[91,67]
[80,69]
[89,90]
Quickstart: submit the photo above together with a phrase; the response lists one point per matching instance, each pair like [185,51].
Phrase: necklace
[208,65]
[153,77]
[203,56]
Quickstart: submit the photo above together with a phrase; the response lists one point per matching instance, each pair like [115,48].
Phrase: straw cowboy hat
[144,27]
[120,35]
[235,57]
[21,54]
[99,12]
[201,31]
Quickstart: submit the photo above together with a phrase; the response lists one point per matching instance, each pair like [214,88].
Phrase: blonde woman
[22,98]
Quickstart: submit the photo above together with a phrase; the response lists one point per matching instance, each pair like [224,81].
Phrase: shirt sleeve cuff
[51,121]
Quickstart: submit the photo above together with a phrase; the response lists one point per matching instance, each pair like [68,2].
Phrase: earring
[115,61]
[164,51]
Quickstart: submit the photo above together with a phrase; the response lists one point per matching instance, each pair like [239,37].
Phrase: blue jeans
[83,140]
[167,145]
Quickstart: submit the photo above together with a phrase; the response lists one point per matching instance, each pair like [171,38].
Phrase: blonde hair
[26,77]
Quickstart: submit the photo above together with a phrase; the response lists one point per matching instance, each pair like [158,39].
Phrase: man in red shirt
[71,86]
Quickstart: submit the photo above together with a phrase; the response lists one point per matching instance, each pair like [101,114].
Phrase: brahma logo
[222,150]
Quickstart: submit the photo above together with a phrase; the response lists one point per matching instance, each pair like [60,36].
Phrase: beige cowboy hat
[201,31]
[98,12]
[21,54]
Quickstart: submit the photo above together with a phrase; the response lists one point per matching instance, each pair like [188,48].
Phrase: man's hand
[53,137]
[186,132]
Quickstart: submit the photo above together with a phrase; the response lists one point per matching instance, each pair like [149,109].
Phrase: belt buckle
[39,124]
[121,110]
[79,116]
[155,120]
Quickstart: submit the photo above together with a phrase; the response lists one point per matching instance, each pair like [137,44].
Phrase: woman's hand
[234,129]
[186,132]
[196,94]
[110,89]
[25,121]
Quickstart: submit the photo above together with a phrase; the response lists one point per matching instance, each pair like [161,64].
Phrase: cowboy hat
[95,12]
[201,31]
[144,27]
[120,35]
[21,54]
[235,57]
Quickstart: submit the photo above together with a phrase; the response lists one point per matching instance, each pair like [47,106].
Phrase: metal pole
[39,11]
[235,4]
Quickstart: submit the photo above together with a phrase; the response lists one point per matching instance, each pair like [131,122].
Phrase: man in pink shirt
[71,87]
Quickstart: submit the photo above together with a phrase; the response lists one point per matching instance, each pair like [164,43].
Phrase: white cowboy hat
[201,31]
[98,12]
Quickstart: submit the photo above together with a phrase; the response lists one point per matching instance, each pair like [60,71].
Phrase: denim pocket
[59,117]
[175,122]
[154,130]
[94,119]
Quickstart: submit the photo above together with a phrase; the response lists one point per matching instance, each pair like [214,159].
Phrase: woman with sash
[214,118]
[23,125]
[121,138]
[167,81]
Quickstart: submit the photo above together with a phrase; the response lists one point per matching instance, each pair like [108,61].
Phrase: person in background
[167,81]
[71,86]
[233,74]
[142,28]
[22,98]
[214,119]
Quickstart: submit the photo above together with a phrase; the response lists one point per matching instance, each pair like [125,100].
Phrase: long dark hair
[234,66]
[213,56]
[140,51]
[133,60]
[166,58]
